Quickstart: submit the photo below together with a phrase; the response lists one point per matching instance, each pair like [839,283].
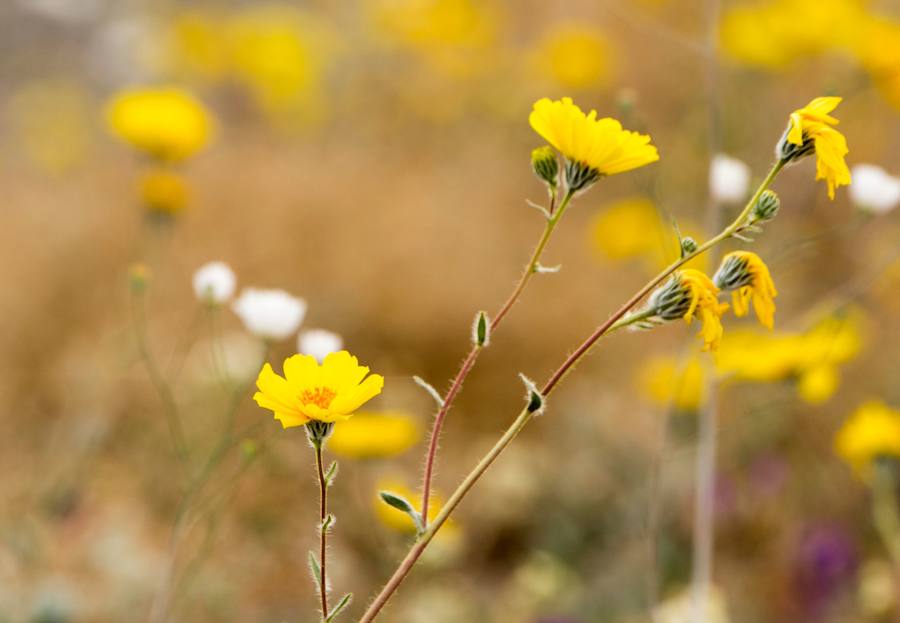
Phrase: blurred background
[372,157]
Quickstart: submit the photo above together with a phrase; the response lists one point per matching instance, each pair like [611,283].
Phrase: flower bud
[545,165]
[163,192]
[688,246]
[138,276]
[533,396]
[766,207]
[481,330]
[733,273]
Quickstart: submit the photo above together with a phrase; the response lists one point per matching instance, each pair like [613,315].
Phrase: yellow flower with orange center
[745,275]
[328,392]
[600,146]
[811,129]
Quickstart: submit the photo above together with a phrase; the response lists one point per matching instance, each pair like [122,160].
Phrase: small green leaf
[315,570]
[327,522]
[533,396]
[402,504]
[331,473]
[481,330]
[343,603]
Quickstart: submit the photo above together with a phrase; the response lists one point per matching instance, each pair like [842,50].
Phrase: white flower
[874,189]
[269,314]
[319,343]
[214,283]
[728,179]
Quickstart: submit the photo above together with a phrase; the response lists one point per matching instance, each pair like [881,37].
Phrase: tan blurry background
[386,183]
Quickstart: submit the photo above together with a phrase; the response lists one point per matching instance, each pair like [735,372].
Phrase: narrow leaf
[339,606]
[430,389]
[331,473]
[315,570]
[402,504]
[327,522]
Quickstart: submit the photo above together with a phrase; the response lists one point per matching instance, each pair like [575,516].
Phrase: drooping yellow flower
[598,144]
[704,304]
[872,431]
[375,435]
[330,392]
[163,191]
[745,275]
[166,123]
[812,126]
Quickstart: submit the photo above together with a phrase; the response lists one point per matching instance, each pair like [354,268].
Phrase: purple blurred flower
[824,560]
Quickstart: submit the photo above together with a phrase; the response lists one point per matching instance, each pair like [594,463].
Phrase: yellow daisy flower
[591,146]
[328,393]
[747,277]
[163,191]
[872,431]
[810,130]
[168,123]
[689,294]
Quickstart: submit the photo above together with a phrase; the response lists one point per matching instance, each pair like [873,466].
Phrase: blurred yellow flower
[598,144]
[375,435]
[745,275]
[812,126]
[329,392]
[198,46]
[575,57]
[667,381]
[872,431]
[453,36]
[812,358]
[163,191]
[704,303]
[166,123]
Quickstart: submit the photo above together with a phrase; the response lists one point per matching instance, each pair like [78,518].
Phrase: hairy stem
[469,362]
[522,420]
[323,532]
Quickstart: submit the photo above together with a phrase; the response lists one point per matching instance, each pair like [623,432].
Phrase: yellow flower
[705,304]
[600,145]
[372,435]
[872,431]
[666,381]
[575,57]
[811,126]
[329,392]
[819,383]
[163,191]
[747,277]
[167,123]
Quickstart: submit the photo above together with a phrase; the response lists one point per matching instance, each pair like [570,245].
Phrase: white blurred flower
[728,179]
[874,189]
[319,343]
[269,314]
[214,283]
[683,608]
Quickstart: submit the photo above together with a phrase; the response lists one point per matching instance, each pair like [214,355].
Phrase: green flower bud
[481,330]
[545,165]
[688,246]
[318,432]
[766,207]
[579,176]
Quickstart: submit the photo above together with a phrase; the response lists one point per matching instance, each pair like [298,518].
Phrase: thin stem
[323,532]
[704,505]
[416,551]
[469,362]
[159,381]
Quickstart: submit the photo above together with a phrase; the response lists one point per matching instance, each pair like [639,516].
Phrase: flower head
[163,192]
[747,277]
[319,343]
[728,179]
[592,147]
[873,431]
[168,124]
[810,130]
[687,294]
[374,435]
[327,392]
[214,283]
[269,314]
[874,189]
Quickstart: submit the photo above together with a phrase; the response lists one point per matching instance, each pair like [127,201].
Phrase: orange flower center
[319,396]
